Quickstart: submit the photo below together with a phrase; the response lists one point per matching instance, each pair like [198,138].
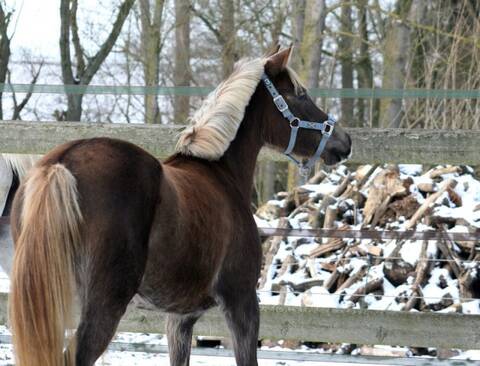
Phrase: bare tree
[182,75]
[86,66]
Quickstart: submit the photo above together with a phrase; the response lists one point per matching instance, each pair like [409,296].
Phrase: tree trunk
[228,33]
[74,107]
[298,64]
[150,38]
[268,181]
[298,30]
[346,60]
[182,59]
[395,57]
[318,13]
[364,66]
[4,51]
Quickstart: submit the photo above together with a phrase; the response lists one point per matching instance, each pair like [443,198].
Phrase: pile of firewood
[358,273]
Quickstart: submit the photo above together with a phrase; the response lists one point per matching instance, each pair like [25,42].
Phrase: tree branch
[17,108]
[221,40]
[79,53]
[106,47]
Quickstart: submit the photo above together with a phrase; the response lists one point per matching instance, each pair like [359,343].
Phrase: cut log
[332,280]
[331,246]
[341,188]
[384,187]
[428,202]
[427,187]
[369,287]
[289,260]
[318,177]
[269,211]
[329,222]
[437,172]
[273,244]
[421,271]
[405,207]
[454,197]
[302,286]
[352,279]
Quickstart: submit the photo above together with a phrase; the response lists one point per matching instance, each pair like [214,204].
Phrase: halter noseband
[325,127]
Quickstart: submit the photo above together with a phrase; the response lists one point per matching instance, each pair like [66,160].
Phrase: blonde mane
[215,125]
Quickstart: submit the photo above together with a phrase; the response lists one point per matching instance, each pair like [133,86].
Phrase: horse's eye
[303,96]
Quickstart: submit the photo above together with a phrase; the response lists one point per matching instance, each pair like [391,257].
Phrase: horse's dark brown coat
[181,234]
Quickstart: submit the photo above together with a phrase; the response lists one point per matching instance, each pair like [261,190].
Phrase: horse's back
[117,184]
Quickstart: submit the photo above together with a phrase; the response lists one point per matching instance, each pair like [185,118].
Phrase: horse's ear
[278,61]
[272,50]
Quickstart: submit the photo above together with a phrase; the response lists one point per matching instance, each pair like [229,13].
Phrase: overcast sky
[37,25]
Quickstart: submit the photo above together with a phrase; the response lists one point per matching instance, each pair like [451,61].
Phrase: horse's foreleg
[179,334]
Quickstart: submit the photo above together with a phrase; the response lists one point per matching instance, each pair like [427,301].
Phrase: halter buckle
[328,127]
[280,103]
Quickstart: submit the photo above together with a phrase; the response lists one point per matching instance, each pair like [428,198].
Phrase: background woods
[374,51]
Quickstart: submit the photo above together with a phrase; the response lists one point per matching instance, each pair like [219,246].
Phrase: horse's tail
[42,282]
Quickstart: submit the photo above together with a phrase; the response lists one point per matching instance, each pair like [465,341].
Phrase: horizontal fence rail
[369,145]
[364,93]
[285,355]
[357,234]
[325,325]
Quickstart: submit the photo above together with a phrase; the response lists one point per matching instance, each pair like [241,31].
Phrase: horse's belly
[180,278]
[175,294]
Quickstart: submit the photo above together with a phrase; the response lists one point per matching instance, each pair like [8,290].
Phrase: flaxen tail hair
[42,282]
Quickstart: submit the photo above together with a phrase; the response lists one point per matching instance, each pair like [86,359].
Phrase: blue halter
[325,127]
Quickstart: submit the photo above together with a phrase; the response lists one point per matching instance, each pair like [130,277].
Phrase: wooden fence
[284,322]
[369,145]
[326,325]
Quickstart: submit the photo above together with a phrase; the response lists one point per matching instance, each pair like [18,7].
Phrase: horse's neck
[240,158]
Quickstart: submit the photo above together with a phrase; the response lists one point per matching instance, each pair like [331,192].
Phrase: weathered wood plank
[327,325]
[284,355]
[369,145]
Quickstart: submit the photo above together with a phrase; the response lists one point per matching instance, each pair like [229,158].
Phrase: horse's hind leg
[179,334]
[242,314]
[112,281]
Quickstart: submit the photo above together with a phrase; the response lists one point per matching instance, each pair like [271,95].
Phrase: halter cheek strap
[325,127]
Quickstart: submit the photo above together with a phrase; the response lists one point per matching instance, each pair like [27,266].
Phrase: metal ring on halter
[295,122]
[304,171]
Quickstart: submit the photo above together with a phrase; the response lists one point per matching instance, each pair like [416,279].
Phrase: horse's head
[278,129]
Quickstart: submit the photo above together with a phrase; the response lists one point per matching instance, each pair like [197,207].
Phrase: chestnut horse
[98,221]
